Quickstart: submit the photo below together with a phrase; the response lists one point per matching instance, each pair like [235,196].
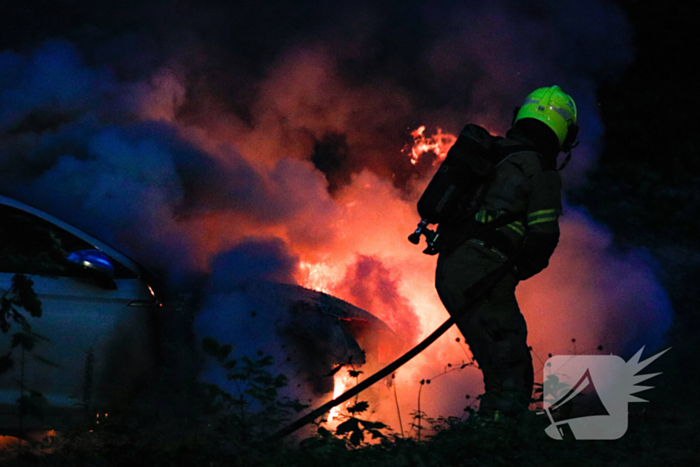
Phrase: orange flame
[438,144]
[316,276]
[342,382]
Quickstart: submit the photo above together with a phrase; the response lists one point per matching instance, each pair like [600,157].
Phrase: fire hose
[474,295]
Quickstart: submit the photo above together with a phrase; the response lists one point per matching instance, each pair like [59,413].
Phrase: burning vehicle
[310,334]
[102,328]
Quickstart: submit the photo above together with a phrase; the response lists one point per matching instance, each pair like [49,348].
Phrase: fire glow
[342,382]
[363,256]
[438,144]
[412,309]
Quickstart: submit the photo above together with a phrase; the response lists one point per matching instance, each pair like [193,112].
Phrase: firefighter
[526,193]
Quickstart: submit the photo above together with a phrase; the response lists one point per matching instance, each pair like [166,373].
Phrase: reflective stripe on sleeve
[545,215]
[517,226]
[484,217]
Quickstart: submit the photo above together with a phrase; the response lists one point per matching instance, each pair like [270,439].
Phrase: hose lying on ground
[474,295]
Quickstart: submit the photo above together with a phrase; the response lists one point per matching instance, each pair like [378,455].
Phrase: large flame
[342,382]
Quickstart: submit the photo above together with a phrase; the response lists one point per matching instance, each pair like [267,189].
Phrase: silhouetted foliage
[255,406]
[18,298]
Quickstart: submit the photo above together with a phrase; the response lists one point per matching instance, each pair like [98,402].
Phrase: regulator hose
[474,295]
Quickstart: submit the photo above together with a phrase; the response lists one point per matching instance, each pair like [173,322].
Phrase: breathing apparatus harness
[457,192]
[468,227]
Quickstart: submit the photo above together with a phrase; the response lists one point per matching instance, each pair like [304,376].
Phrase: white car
[93,298]
[105,326]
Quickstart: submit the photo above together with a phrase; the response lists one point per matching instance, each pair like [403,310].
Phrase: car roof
[98,244]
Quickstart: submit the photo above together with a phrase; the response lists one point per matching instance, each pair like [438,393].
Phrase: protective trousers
[495,330]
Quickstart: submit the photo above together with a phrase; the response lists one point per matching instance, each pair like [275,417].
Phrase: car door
[99,330]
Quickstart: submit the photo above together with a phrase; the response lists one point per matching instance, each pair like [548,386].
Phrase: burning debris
[438,144]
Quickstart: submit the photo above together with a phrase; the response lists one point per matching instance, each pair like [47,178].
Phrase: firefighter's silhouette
[517,214]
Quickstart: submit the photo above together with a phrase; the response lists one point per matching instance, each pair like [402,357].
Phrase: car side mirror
[97,265]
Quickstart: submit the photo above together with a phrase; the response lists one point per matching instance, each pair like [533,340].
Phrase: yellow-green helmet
[553,107]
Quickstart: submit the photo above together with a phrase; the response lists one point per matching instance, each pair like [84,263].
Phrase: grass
[656,437]
[227,432]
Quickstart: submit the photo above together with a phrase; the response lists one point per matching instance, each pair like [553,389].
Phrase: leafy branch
[255,405]
[354,429]
[20,296]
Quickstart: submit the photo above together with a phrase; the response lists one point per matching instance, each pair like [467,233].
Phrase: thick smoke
[74,144]
[370,285]
[603,295]
[254,260]
[264,142]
